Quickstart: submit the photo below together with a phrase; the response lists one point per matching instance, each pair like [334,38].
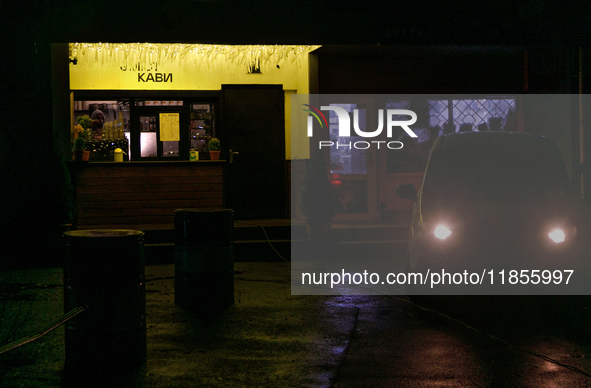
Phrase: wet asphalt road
[271,338]
[468,342]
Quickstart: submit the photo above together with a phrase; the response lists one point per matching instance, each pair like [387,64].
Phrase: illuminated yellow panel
[146,66]
[287,109]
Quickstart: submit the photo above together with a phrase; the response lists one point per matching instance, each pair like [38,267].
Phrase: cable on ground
[55,324]
[269,241]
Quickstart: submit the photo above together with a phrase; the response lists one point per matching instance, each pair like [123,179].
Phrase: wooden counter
[144,195]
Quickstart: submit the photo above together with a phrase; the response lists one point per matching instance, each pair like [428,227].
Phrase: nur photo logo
[392,119]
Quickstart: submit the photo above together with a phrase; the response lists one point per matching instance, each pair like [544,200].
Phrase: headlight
[441,232]
[557,235]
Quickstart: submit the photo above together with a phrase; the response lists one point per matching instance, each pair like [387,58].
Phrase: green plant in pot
[82,132]
[78,148]
[214,148]
[317,202]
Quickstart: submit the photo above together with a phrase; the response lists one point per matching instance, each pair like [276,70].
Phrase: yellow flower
[82,133]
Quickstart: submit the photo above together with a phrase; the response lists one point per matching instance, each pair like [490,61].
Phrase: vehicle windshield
[495,175]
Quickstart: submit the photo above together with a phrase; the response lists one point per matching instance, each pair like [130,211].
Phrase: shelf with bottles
[199,142]
[201,119]
[197,133]
[148,124]
[199,124]
[202,114]
[199,145]
[202,127]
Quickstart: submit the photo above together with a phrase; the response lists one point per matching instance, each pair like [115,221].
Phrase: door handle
[232,153]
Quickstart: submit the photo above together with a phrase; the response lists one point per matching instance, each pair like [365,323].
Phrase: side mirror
[407,191]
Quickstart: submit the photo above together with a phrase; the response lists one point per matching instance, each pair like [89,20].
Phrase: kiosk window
[109,129]
[147,129]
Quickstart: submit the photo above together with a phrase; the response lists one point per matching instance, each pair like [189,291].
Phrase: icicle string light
[192,56]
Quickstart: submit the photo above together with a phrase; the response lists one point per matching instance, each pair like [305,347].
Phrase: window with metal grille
[436,117]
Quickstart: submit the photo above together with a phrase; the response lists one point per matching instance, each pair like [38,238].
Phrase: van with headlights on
[491,201]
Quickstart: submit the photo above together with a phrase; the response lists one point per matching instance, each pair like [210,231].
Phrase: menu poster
[169,127]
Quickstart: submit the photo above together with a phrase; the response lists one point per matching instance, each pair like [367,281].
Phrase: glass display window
[148,128]
[108,127]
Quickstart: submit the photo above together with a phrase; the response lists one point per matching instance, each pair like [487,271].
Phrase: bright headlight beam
[441,232]
[557,235]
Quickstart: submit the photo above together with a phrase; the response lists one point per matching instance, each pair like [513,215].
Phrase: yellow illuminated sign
[149,66]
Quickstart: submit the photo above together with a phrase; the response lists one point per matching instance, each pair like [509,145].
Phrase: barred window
[436,117]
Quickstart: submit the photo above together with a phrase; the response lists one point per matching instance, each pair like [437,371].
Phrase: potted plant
[214,148]
[82,133]
[78,148]
[317,202]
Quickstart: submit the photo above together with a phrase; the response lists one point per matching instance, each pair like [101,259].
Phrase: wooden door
[253,126]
